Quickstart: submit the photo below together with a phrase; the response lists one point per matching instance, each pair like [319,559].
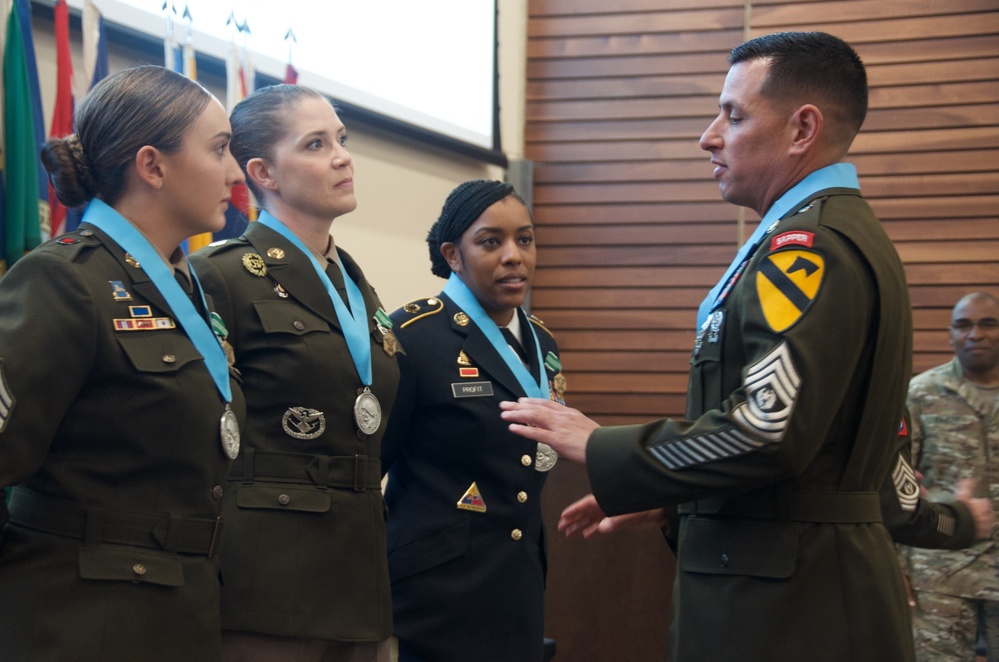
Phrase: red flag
[290,75]
[62,113]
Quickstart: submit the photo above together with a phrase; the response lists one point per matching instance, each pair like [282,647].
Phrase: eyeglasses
[965,326]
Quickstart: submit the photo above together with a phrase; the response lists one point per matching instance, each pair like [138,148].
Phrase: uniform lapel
[481,351]
[141,283]
[298,278]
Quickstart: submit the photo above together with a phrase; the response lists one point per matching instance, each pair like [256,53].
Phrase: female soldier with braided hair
[465,534]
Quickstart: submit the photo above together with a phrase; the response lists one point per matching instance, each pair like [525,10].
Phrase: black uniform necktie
[513,342]
[336,276]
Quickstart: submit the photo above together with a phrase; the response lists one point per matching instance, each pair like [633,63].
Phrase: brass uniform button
[516,534]
[139,569]
[527,460]
[298,325]
[169,358]
[284,499]
[522,496]
[217,491]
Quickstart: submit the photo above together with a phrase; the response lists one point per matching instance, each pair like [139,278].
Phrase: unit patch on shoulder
[787,282]
[472,500]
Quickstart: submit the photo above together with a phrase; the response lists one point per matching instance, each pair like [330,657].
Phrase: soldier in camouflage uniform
[955,420]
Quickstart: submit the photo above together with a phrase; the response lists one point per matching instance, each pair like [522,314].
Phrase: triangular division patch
[472,500]
[787,282]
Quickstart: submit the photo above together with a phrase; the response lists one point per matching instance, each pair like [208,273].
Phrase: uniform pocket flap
[738,547]
[430,551]
[288,317]
[131,564]
[158,351]
[279,497]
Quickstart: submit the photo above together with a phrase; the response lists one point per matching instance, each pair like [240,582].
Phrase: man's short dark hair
[812,67]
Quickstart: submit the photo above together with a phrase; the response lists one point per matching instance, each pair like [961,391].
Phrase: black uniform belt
[357,472]
[796,506]
[96,524]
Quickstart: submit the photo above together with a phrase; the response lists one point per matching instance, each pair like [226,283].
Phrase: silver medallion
[229,428]
[546,457]
[303,423]
[367,411]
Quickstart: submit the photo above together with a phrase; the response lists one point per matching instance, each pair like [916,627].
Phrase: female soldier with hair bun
[466,538]
[305,576]
[118,417]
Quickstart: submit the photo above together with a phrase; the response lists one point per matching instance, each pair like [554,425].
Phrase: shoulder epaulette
[69,245]
[417,309]
[811,211]
[541,324]
[220,246]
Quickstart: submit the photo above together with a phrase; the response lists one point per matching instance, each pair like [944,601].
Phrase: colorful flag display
[29,209]
[62,112]
[95,69]
[239,83]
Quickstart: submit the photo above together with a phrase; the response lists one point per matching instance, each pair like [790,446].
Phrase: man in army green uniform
[797,386]
[955,433]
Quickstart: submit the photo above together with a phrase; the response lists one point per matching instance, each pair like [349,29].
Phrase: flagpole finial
[188,25]
[291,40]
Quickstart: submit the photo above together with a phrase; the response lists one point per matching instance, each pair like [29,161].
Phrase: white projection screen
[427,65]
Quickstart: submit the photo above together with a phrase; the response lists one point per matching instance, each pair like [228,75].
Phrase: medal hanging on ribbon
[535,386]
[198,329]
[353,323]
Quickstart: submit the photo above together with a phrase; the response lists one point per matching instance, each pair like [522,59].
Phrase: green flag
[21,230]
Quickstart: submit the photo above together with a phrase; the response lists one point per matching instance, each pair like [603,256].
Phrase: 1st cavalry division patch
[787,282]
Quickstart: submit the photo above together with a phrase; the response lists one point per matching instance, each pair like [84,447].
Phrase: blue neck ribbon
[838,175]
[354,324]
[197,328]
[534,387]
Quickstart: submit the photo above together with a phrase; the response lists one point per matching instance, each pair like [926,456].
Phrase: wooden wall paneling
[631,234]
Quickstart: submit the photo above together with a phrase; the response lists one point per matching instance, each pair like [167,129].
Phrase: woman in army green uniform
[118,416]
[467,549]
[303,564]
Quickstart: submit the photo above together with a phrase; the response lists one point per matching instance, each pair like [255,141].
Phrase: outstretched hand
[565,429]
[586,518]
[981,509]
